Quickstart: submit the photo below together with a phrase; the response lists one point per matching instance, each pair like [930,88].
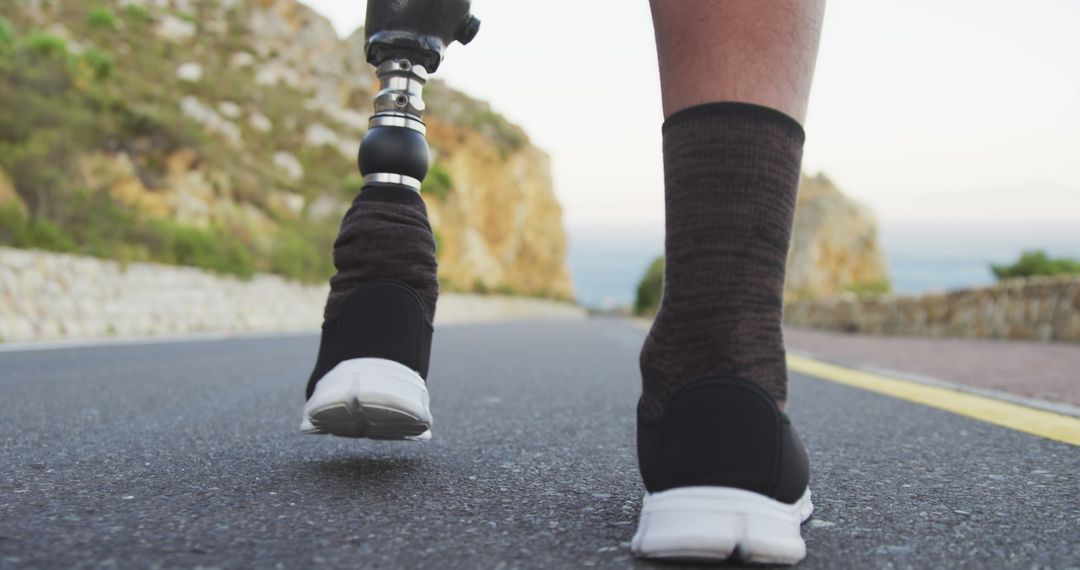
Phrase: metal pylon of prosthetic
[405,41]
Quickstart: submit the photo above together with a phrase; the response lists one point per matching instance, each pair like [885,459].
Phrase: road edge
[1022,417]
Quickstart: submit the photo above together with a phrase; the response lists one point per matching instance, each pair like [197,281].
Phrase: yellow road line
[1058,427]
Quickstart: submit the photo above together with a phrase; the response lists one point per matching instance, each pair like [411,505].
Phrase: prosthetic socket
[405,40]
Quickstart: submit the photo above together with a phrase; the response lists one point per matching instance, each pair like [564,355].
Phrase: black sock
[385,235]
[731,178]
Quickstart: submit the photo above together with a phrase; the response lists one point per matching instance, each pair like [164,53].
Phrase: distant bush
[12,225]
[479,287]
[38,168]
[7,37]
[650,290]
[353,185]
[46,44]
[1032,263]
[102,228]
[99,62]
[438,243]
[137,13]
[47,235]
[438,182]
[303,252]
[507,291]
[209,248]
[868,289]
[19,231]
[101,18]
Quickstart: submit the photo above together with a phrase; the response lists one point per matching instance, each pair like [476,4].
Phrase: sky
[957,123]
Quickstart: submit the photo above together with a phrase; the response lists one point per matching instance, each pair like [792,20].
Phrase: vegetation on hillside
[868,289]
[438,182]
[650,289]
[113,95]
[1034,263]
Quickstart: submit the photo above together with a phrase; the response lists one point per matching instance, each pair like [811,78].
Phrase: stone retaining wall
[52,296]
[1040,308]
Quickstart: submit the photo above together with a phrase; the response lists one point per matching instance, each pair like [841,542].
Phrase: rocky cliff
[834,250]
[834,245]
[223,133]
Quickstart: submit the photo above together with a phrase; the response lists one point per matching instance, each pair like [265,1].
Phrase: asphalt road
[188,454]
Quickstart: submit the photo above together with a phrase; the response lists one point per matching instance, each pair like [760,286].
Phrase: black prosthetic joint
[417,30]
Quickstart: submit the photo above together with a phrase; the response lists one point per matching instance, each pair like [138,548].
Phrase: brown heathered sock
[385,235]
[731,178]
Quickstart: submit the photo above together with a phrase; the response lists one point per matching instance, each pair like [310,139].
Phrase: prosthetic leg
[370,377]
[406,39]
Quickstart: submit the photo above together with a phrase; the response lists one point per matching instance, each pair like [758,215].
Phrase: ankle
[731,178]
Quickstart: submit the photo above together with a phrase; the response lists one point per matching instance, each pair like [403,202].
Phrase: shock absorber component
[394,149]
[405,40]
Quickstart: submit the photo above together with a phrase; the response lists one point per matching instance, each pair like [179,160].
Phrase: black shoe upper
[724,432]
[380,319]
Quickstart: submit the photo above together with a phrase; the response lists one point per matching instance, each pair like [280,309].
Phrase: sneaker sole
[370,398]
[713,524]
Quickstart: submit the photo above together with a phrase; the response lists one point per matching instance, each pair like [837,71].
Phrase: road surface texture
[188,454]
[1043,370]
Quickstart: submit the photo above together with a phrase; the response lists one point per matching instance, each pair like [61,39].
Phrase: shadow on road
[363,469]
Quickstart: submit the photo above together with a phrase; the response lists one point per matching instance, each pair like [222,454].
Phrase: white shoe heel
[718,523]
[371,398]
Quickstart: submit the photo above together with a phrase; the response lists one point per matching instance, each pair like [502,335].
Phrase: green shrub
[100,63]
[300,253]
[45,234]
[101,226]
[46,44]
[40,164]
[136,13]
[19,231]
[438,243]
[13,225]
[438,182]
[1032,263]
[650,289]
[507,290]
[479,287]
[868,289]
[211,248]
[7,37]
[101,18]
[353,185]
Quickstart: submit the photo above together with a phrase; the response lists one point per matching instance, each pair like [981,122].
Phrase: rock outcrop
[834,246]
[242,121]
[834,250]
